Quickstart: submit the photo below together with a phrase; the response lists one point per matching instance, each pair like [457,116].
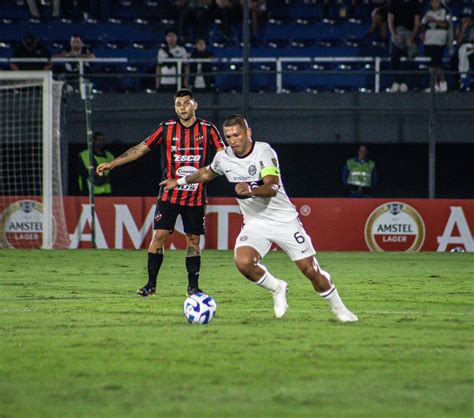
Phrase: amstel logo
[394,226]
[21,225]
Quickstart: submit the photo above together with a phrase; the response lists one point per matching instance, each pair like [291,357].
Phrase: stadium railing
[372,71]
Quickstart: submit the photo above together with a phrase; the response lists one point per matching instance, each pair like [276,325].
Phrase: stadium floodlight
[31,197]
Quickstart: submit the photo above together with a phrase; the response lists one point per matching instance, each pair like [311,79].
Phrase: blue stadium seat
[229,82]
[304,11]
[277,31]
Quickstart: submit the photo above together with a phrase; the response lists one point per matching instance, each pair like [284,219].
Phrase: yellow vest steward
[360,174]
[104,188]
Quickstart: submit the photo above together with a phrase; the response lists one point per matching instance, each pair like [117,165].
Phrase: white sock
[333,298]
[269,282]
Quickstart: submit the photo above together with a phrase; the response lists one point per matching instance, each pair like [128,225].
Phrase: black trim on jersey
[187,127]
[215,172]
[250,183]
[246,155]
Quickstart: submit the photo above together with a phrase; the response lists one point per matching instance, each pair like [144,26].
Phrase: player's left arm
[269,188]
[270,175]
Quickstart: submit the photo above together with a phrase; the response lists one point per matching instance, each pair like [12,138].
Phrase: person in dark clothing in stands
[403,22]
[197,14]
[31,48]
[359,174]
[229,12]
[379,22]
[201,76]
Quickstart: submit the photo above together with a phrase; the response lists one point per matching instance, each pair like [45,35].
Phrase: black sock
[193,265]
[154,264]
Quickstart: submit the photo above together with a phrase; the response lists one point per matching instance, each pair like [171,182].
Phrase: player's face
[185,108]
[238,139]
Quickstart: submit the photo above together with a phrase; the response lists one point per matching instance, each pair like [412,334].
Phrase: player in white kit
[269,216]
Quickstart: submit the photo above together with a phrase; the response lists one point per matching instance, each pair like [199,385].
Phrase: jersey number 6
[299,238]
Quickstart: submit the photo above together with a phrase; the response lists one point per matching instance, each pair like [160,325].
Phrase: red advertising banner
[334,224]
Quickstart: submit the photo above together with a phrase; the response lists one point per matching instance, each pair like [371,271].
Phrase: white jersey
[169,71]
[247,169]
[433,34]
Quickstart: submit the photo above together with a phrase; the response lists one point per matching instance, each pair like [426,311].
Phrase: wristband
[182,181]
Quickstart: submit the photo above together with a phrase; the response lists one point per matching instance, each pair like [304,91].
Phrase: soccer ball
[199,308]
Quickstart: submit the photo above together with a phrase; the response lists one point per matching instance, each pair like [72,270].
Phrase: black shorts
[193,217]
[435,52]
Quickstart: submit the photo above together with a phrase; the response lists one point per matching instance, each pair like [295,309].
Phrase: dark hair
[171,30]
[97,134]
[184,92]
[236,120]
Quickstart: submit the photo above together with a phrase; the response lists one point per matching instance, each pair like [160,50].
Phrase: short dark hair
[171,30]
[184,92]
[236,120]
[97,134]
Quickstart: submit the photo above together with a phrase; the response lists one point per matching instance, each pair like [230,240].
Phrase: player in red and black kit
[185,144]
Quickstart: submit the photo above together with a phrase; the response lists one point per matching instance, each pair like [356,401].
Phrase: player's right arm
[128,156]
[203,175]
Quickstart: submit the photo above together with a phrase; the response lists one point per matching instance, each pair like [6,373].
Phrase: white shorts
[289,236]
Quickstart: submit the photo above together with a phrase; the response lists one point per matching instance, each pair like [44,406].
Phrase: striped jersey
[183,151]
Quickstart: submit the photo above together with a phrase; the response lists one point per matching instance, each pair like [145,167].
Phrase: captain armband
[270,171]
[182,181]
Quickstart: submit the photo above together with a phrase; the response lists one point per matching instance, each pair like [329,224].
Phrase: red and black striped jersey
[182,152]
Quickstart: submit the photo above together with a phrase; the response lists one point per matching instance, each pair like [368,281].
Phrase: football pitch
[76,341]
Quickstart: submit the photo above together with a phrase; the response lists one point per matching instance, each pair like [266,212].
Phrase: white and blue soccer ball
[200,308]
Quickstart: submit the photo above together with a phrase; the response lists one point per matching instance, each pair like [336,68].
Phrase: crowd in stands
[443,31]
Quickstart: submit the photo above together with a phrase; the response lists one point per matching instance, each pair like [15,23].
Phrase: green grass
[77,342]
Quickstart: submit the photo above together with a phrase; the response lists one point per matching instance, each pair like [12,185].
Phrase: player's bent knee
[245,265]
[308,268]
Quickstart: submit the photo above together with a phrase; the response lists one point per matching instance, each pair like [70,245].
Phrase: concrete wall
[290,118]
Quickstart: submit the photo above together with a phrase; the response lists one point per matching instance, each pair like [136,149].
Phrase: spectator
[465,41]
[197,13]
[31,48]
[202,81]
[359,174]
[332,9]
[403,23]
[229,12]
[99,9]
[258,15]
[102,184]
[34,10]
[167,72]
[76,49]
[379,22]
[435,23]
